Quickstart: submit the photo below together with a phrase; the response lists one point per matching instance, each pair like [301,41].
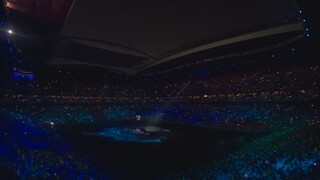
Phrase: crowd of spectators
[31,150]
[289,154]
[31,147]
[286,85]
[252,116]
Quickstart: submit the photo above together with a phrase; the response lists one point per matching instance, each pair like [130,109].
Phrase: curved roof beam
[66,61]
[108,46]
[258,34]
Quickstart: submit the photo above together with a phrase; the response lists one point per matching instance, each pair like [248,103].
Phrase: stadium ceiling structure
[132,36]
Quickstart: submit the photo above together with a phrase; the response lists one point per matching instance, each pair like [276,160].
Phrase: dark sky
[158,26]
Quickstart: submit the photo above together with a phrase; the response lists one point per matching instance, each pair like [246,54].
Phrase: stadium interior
[159,89]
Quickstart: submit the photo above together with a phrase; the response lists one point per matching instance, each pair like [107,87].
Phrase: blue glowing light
[204,72]
[129,135]
[18,75]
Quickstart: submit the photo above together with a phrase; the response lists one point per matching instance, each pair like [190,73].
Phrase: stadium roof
[132,36]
